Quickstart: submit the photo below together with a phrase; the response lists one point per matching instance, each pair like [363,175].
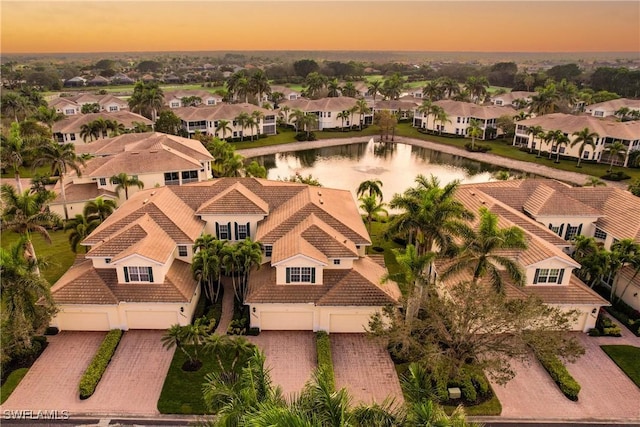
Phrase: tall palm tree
[297,118]
[99,208]
[374,88]
[343,115]
[241,120]
[124,182]
[431,214]
[61,158]
[115,128]
[372,187]
[440,116]
[477,87]
[449,86]
[80,227]
[284,112]
[433,91]
[259,84]
[551,137]
[27,305]
[147,99]
[14,149]
[257,117]
[474,131]
[483,252]
[315,82]
[349,89]
[561,141]
[249,256]
[535,132]
[426,108]
[102,126]
[362,109]
[224,127]
[372,209]
[48,116]
[206,269]
[334,88]
[623,252]
[250,123]
[585,138]
[89,130]
[14,104]
[615,150]
[26,213]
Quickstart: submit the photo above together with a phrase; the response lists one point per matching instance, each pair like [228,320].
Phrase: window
[268,250]
[498,101]
[571,232]
[171,178]
[211,102]
[301,275]
[242,231]
[336,262]
[175,104]
[555,228]
[223,232]
[103,181]
[72,136]
[600,234]
[113,108]
[182,250]
[548,275]
[138,274]
[189,176]
[598,113]
[107,260]
[585,155]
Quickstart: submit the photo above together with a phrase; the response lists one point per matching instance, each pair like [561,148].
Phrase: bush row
[477,148]
[98,365]
[605,328]
[323,349]
[568,385]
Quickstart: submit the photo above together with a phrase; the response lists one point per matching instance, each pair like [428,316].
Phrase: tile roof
[615,105]
[73,124]
[339,103]
[235,199]
[546,201]
[217,112]
[80,192]
[468,109]
[83,284]
[359,286]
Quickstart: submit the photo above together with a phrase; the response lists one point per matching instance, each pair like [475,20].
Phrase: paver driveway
[131,384]
[606,393]
[291,357]
[364,367]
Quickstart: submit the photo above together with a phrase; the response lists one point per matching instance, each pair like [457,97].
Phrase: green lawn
[378,241]
[627,357]
[182,391]
[58,254]
[11,383]
[26,172]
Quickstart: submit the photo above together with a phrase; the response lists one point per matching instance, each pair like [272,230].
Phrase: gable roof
[73,124]
[339,103]
[468,109]
[217,112]
[235,199]
[569,123]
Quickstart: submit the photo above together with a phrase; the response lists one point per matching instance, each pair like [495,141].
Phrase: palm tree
[615,150]
[48,116]
[334,88]
[372,208]
[224,127]
[257,117]
[61,158]
[27,305]
[80,227]
[89,130]
[26,213]
[248,257]
[623,252]
[99,208]
[14,104]
[284,112]
[426,109]
[474,131]
[535,131]
[593,181]
[477,87]
[147,98]
[370,186]
[297,119]
[561,141]
[362,109]
[343,115]
[374,88]
[584,137]
[440,116]
[433,90]
[241,120]
[14,149]
[449,86]
[250,123]
[482,252]
[102,126]
[206,267]
[115,128]
[259,84]
[124,182]
[349,90]
[431,214]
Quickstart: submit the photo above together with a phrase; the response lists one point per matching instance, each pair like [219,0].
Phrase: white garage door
[286,321]
[70,321]
[348,322]
[151,319]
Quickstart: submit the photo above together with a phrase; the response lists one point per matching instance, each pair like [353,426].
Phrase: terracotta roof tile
[236,198]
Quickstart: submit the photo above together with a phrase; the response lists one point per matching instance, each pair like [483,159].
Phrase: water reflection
[396,165]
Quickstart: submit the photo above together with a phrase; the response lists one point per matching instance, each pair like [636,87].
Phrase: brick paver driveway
[364,367]
[131,384]
[291,357]
[607,394]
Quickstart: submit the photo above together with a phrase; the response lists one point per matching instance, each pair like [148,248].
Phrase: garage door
[286,321]
[151,319]
[83,321]
[348,322]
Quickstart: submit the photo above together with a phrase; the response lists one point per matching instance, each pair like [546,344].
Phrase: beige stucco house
[609,108]
[173,98]
[327,111]
[73,104]
[69,129]
[314,273]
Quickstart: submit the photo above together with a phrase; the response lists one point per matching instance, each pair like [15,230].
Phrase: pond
[396,165]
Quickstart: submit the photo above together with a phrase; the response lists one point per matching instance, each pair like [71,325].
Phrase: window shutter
[560,275]
[566,236]
[217,231]
[229,231]
[313,275]
[550,226]
[150,274]
[235,225]
[579,230]
[248,229]
[535,278]
[561,228]
[126,274]
[288,275]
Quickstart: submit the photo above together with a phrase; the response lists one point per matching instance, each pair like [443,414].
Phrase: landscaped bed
[11,383]
[627,357]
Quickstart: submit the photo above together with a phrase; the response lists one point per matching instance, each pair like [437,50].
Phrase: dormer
[551,271]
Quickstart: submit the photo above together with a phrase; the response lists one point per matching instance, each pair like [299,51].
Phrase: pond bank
[533,168]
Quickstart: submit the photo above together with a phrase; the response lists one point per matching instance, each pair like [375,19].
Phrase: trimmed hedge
[556,369]
[98,365]
[323,350]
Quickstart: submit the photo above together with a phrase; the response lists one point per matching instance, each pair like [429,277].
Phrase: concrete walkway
[533,168]
[227,306]
[607,394]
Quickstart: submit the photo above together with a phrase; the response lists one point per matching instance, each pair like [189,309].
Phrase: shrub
[237,327]
[51,330]
[558,372]
[477,148]
[615,176]
[606,327]
[253,332]
[98,365]
[323,350]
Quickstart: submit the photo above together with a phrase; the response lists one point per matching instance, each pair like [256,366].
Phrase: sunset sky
[207,25]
